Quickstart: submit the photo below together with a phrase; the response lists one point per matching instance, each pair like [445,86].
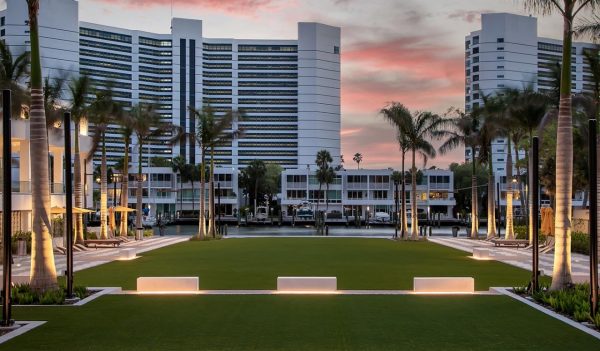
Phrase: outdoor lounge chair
[60,250]
[102,242]
[510,243]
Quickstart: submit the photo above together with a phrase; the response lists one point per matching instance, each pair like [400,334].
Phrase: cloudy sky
[410,51]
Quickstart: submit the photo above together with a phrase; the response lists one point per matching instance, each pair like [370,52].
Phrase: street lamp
[396,209]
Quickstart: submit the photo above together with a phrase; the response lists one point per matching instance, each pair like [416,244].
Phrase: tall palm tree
[568,9]
[43,270]
[79,89]
[358,157]
[322,161]
[418,128]
[178,166]
[126,128]
[397,114]
[53,101]
[211,131]
[464,131]
[486,134]
[329,179]
[145,123]
[13,73]
[104,110]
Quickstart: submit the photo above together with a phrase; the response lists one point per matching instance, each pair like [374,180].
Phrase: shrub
[580,243]
[52,297]
[22,294]
[573,302]
[596,320]
[20,235]
[521,232]
[89,235]
[148,232]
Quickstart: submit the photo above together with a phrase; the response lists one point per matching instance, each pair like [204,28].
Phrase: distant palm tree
[568,9]
[464,131]
[397,114]
[79,89]
[418,128]
[126,129]
[178,166]
[53,101]
[43,269]
[104,110]
[358,157]
[322,161]
[13,74]
[328,180]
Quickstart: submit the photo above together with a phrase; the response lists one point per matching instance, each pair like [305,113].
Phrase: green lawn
[255,263]
[276,322]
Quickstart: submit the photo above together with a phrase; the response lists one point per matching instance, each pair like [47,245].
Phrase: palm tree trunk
[201,216]
[125,189]
[530,182]
[491,215]
[509,231]
[43,270]
[474,202]
[404,228]
[521,192]
[413,199]
[138,196]
[78,187]
[103,191]
[561,276]
[211,195]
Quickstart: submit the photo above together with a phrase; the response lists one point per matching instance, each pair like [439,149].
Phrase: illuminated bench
[444,285]
[482,253]
[306,284]
[167,284]
[127,254]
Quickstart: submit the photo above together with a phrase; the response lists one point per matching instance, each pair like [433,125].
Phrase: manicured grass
[255,263]
[297,323]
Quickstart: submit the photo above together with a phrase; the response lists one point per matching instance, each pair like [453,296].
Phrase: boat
[305,210]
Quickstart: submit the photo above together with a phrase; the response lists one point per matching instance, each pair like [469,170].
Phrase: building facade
[365,192]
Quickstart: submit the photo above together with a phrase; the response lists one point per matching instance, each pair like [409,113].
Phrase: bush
[148,232]
[89,235]
[521,232]
[580,243]
[52,297]
[573,302]
[22,294]
[20,235]
[58,227]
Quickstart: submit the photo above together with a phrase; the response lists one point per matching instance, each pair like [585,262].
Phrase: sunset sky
[410,51]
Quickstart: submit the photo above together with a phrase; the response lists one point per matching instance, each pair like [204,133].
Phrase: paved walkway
[95,257]
[519,257]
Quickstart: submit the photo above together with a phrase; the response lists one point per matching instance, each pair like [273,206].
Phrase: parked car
[262,213]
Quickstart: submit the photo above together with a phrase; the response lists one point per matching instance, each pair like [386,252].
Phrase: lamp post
[7,209]
[219,207]
[69,204]
[593,179]
[499,209]
[534,219]
[396,209]
[114,181]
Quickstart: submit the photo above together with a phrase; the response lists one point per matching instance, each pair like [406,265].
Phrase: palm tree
[322,161]
[568,9]
[127,125]
[178,166]
[53,94]
[358,157]
[328,180]
[104,110]
[145,123]
[397,115]
[43,270]
[465,132]
[13,73]
[79,89]
[211,131]
[252,176]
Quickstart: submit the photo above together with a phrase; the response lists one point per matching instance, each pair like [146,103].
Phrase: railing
[296,185]
[436,186]
[357,186]
[25,188]
[379,186]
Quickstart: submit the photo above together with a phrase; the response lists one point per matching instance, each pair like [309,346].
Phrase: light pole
[219,206]
[593,179]
[7,209]
[69,204]
[396,209]
[534,219]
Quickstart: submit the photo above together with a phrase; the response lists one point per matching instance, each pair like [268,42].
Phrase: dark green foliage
[573,302]
[22,294]
[21,236]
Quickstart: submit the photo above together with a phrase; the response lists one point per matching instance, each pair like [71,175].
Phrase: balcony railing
[25,188]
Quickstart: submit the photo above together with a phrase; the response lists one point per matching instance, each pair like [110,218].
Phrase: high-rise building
[289,90]
[508,53]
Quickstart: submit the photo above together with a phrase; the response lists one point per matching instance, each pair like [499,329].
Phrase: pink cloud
[229,6]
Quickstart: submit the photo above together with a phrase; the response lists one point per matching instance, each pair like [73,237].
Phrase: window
[499,67]
[216,57]
[467,45]
[476,40]
[380,194]
[105,74]
[500,85]
[88,32]
[476,96]
[104,64]
[104,55]
[500,57]
[352,195]
[155,42]
[216,47]
[336,50]
[476,78]
[266,84]
[263,58]
[2,21]
[500,40]
[500,48]
[267,67]
[266,75]
[105,46]
[475,86]
[268,48]
[157,62]
[2,32]
[549,47]
[152,52]
[475,68]
[500,76]
[476,59]
[475,51]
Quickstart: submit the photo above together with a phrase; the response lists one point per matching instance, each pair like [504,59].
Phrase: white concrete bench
[127,253]
[167,284]
[444,285]
[306,284]
[482,253]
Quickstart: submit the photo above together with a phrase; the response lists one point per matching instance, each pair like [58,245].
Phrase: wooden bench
[511,243]
[306,284]
[167,284]
[443,285]
[102,242]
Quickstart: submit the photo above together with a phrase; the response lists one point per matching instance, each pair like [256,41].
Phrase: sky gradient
[409,51]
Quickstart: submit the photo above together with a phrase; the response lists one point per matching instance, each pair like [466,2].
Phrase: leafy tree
[358,157]
[13,74]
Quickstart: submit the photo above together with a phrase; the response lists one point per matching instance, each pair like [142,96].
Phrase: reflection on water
[190,229]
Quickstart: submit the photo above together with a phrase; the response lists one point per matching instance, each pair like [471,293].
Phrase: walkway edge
[574,324]
[26,326]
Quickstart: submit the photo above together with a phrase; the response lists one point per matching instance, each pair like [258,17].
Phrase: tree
[463,176]
[252,177]
[272,181]
[358,157]
[328,179]
[43,270]
[178,166]
[104,110]
[79,89]
[418,128]
[322,161]
[13,73]
[397,114]
[145,123]
[568,9]
[53,93]
[464,131]
[212,130]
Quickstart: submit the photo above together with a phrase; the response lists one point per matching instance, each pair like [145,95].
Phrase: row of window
[158,88]
[280,67]
[270,110]
[267,84]
[270,118]
[155,70]
[151,79]
[161,43]
[268,101]
[104,55]
[152,52]
[269,92]
[104,74]
[266,75]
[267,144]
[211,65]
[100,34]
[119,85]
[268,153]
[269,127]
[153,97]
[216,83]
[157,62]
[270,136]
[268,48]
[216,57]
[104,64]
[216,91]
[263,58]
[283,162]
[105,46]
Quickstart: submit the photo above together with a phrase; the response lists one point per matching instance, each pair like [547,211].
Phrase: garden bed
[22,294]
